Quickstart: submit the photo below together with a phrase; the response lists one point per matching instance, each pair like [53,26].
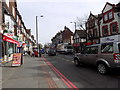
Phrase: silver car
[104,56]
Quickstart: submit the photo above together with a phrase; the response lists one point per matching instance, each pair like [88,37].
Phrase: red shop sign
[8,39]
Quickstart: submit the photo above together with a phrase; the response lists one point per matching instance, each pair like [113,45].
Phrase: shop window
[105,30]
[113,28]
[10,48]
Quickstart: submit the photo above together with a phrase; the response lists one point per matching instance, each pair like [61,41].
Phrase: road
[56,72]
[84,76]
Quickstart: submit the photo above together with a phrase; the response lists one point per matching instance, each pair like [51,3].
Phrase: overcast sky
[57,14]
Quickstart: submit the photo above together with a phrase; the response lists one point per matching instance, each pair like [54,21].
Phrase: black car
[51,52]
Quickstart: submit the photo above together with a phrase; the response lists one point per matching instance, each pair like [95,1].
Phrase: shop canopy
[8,39]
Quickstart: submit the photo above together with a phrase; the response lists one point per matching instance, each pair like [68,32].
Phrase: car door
[84,55]
[93,55]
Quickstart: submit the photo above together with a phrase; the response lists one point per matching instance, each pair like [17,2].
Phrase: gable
[107,7]
[76,35]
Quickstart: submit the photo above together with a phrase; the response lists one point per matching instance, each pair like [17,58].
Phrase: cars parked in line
[104,56]
[52,51]
[65,48]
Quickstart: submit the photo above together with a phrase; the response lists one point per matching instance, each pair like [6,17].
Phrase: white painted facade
[116,19]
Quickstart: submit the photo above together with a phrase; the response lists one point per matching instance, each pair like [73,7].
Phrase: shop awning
[8,39]
[90,43]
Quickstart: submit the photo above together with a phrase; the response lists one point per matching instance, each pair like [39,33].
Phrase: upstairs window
[108,16]
[105,17]
[105,30]
[95,33]
[114,28]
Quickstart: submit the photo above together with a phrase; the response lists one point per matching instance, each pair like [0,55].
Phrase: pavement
[34,73]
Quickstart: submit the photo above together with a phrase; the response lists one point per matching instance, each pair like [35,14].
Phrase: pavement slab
[34,73]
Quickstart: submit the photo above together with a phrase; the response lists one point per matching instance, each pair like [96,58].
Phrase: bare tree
[81,21]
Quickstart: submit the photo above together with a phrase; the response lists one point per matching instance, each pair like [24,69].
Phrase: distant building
[92,28]
[110,22]
[79,40]
[64,36]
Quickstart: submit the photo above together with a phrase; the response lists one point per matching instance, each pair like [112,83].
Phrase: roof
[117,7]
[81,33]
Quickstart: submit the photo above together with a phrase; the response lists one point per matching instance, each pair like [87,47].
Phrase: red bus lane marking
[59,75]
[63,78]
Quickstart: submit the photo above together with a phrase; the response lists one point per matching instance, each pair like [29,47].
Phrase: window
[86,50]
[107,48]
[94,50]
[105,30]
[105,17]
[110,14]
[95,33]
[113,27]
[90,50]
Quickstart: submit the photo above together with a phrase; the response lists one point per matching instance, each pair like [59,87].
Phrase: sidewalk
[34,73]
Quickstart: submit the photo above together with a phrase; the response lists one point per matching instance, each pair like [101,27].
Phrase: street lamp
[37,32]
[75,24]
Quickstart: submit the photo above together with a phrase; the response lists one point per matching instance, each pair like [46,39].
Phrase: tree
[81,21]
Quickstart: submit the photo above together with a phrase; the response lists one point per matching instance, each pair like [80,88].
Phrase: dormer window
[105,17]
[108,16]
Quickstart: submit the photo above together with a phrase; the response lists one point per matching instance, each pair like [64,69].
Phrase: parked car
[51,51]
[104,56]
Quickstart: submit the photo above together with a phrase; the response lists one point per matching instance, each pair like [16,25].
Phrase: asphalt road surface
[83,76]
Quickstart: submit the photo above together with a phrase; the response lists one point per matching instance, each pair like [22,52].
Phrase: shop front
[9,48]
[108,39]
[76,47]
[0,48]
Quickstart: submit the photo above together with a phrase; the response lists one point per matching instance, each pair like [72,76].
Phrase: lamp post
[37,32]
[75,24]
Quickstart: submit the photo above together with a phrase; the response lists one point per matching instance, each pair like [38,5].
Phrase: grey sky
[57,14]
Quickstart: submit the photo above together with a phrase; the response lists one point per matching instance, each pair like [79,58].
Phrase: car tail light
[117,57]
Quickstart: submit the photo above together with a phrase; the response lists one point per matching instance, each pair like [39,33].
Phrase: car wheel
[102,68]
[76,62]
